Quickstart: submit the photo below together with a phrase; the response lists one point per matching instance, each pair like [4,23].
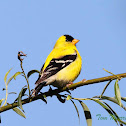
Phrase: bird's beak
[75,41]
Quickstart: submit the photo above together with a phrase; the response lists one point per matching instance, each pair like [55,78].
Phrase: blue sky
[34,26]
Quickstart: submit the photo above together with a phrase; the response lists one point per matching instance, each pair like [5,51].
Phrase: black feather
[69,38]
[38,88]
[55,66]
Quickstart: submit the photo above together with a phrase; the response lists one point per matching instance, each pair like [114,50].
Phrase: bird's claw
[70,83]
[84,80]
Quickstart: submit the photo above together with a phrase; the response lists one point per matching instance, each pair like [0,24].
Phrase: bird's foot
[84,80]
[70,83]
[33,92]
[50,90]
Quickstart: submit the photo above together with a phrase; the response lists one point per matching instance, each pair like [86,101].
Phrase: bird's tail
[38,88]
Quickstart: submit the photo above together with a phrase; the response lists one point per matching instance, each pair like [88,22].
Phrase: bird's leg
[70,83]
[84,80]
[50,90]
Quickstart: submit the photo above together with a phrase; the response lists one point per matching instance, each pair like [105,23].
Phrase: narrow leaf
[19,112]
[112,73]
[117,92]
[120,121]
[106,108]
[82,98]
[16,74]
[87,113]
[5,77]
[19,98]
[123,98]
[10,79]
[76,110]
[112,99]
[1,101]
[23,93]
[68,97]
[32,72]
[12,93]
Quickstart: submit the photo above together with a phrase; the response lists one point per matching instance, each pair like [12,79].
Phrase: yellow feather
[65,45]
[71,72]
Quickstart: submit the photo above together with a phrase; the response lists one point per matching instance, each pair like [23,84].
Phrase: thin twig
[20,53]
[26,78]
[105,88]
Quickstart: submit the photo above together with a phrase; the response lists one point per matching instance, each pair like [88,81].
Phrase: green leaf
[82,98]
[5,77]
[117,92]
[1,101]
[87,113]
[6,84]
[32,72]
[112,99]
[68,97]
[123,98]
[16,74]
[20,96]
[10,79]
[76,110]
[23,93]
[117,117]
[106,108]
[19,112]
[111,73]
[12,93]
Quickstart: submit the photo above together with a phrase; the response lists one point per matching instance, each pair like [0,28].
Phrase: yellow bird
[62,66]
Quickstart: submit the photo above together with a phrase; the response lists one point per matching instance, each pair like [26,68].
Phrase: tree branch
[56,91]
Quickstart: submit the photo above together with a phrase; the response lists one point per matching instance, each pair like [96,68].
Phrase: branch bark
[56,91]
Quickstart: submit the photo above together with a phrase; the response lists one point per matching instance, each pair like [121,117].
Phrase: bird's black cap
[69,38]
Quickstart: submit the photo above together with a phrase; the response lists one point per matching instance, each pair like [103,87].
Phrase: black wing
[40,72]
[56,65]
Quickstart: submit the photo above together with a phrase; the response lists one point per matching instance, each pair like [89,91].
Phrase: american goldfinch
[62,66]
